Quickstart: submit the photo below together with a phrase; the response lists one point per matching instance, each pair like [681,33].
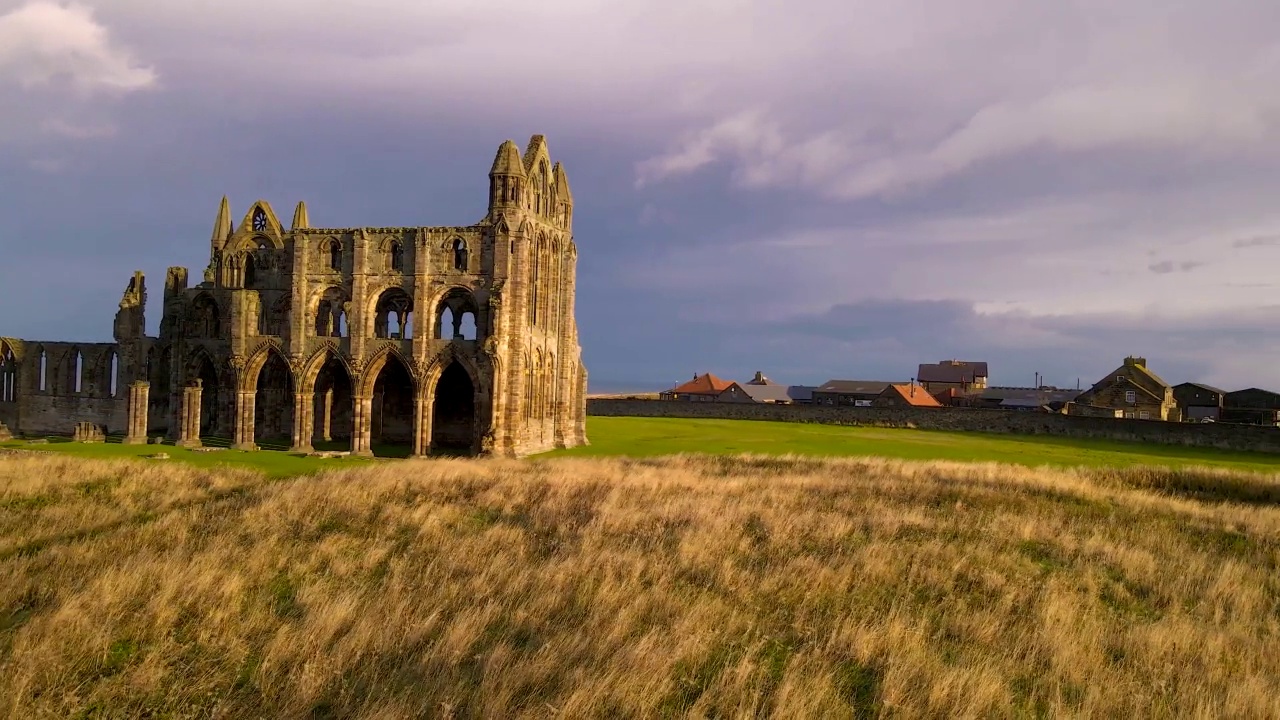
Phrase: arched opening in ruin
[393,315]
[250,271]
[44,371]
[453,412]
[391,412]
[8,374]
[113,377]
[331,313]
[212,423]
[206,319]
[77,373]
[459,249]
[332,403]
[397,257]
[159,373]
[273,404]
[456,316]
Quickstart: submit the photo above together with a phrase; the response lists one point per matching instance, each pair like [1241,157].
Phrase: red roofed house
[905,396]
[704,388]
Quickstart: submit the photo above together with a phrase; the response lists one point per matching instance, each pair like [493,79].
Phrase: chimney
[1135,361]
[759,378]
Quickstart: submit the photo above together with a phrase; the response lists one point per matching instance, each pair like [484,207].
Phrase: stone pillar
[244,420]
[326,416]
[189,415]
[139,392]
[421,441]
[361,411]
[302,409]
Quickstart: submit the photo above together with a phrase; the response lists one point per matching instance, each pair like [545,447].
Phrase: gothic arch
[253,366]
[443,359]
[458,301]
[262,220]
[391,307]
[10,372]
[376,363]
[329,308]
[311,366]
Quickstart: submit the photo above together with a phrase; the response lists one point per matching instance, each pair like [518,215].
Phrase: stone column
[361,411]
[326,417]
[139,392]
[420,440]
[244,420]
[189,415]
[302,409]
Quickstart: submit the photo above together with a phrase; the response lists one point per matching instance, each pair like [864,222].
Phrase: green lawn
[640,437]
[663,436]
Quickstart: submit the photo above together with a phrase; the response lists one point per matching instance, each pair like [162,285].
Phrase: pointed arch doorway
[453,412]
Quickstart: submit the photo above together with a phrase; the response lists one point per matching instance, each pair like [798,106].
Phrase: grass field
[648,437]
[649,588]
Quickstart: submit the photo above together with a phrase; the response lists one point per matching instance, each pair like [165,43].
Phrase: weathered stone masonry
[455,338]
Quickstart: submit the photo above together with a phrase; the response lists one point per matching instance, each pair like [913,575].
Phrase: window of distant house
[1128,414]
[1130,396]
[1144,415]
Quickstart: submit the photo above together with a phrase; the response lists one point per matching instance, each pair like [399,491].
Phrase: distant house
[1047,398]
[1197,401]
[1253,406]
[905,395]
[702,388]
[965,376]
[1132,391]
[763,390]
[858,393]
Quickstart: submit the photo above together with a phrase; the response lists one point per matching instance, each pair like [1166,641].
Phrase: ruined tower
[455,339]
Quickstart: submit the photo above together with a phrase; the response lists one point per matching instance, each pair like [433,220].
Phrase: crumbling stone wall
[1216,435]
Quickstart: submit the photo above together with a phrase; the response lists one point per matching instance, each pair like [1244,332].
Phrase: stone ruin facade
[455,339]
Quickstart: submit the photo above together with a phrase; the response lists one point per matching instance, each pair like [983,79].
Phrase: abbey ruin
[441,339]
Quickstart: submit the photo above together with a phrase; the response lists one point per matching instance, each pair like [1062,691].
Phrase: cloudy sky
[812,188]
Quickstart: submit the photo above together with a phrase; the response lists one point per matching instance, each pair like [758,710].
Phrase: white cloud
[44,43]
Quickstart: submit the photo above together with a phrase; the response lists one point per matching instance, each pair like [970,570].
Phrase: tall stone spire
[300,219]
[222,226]
[507,161]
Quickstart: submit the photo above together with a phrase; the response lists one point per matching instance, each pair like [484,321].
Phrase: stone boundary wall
[37,415]
[1251,438]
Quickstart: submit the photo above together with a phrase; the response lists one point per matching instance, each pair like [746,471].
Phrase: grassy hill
[589,587]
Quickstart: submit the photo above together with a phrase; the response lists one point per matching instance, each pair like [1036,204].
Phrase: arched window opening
[250,271]
[113,374]
[78,377]
[335,255]
[456,316]
[392,315]
[8,376]
[445,328]
[397,257]
[332,403]
[44,368]
[331,314]
[275,320]
[459,254]
[259,220]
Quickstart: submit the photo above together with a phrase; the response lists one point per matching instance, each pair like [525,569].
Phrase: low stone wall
[1252,438]
[53,415]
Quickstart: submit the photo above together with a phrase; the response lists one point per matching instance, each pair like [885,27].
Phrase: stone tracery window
[459,254]
[331,314]
[259,220]
[393,315]
[335,255]
[397,256]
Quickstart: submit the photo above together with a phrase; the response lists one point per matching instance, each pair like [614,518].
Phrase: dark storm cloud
[796,188]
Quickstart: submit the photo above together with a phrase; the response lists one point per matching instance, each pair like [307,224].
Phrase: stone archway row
[306,400]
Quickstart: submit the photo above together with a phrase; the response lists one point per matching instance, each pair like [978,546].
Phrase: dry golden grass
[727,587]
